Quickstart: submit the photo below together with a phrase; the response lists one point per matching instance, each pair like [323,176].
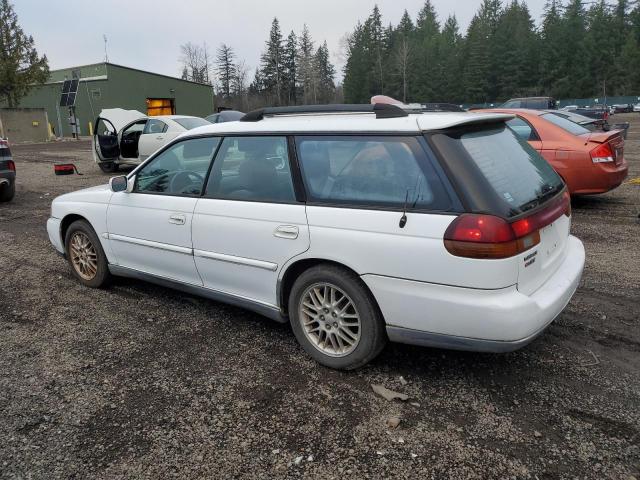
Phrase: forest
[577,49]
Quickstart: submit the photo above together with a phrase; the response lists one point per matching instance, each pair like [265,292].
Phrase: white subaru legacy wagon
[357,224]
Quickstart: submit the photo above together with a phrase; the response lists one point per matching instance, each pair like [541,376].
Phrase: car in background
[355,224]
[623,108]
[599,112]
[129,137]
[534,103]
[569,107]
[636,107]
[589,162]
[591,124]
[225,116]
[7,172]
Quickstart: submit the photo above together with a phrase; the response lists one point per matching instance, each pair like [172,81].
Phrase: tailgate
[539,263]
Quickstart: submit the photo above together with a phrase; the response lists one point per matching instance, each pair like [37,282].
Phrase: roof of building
[101,69]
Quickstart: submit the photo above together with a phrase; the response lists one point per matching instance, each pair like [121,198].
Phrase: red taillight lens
[490,237]
[602,154]
[11,165]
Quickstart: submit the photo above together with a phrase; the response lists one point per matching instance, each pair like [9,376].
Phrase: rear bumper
[471,319]
[601,178]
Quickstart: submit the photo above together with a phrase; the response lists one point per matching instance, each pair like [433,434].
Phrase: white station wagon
[356,224]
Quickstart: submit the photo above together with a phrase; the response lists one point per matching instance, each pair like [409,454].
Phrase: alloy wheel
[329,319]
[84,257]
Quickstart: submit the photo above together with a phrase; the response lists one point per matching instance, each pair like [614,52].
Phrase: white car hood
[97,194]
[120,117]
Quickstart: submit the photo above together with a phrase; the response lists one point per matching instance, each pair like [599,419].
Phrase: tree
[195,63]
[272,71]
[290,66]
[226,69]
[306,66]
[325,74]
[20,65]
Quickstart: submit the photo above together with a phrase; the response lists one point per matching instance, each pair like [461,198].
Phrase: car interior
[129,139]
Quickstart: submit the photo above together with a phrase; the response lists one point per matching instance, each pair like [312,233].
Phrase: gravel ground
[144,382]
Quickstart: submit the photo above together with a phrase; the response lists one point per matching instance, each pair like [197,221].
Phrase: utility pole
[106,55]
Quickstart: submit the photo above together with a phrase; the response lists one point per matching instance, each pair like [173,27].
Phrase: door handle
[177,219]
[286,231]
[160,137]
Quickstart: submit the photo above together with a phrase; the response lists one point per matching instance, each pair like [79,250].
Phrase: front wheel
[335,318]
[86,256]
[109,167]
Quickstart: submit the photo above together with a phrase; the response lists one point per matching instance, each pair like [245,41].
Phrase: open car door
[106,137]
[105,140]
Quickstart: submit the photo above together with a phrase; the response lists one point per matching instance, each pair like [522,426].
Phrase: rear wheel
[86,256]
[7,192]
[335,318]
[109,167]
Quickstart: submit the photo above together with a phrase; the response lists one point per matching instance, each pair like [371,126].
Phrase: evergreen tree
[326,73]
[450,65]
[226,69]
[272,70]
[306,66]
[357,70]
[20,65]
[628,66]
[427,34]
[290,66]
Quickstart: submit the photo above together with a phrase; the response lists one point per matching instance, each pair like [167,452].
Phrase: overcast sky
[147,34]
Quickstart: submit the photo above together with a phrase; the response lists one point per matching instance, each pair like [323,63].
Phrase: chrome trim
[4,181]
[453,342]
[151,244]
[250,262]
[265,309]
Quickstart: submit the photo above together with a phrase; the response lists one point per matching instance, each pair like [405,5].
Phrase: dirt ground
[139,381]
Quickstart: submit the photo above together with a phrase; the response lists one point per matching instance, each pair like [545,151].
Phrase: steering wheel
[182,180]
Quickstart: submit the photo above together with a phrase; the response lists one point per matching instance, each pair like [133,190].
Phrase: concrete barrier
[21,125]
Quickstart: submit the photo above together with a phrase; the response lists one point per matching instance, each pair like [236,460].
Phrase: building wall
[24,124]
[132,88]
[112,86]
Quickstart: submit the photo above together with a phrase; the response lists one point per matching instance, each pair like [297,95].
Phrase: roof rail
[380,109]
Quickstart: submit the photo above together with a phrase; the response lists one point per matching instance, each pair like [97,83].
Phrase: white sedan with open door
[128,137]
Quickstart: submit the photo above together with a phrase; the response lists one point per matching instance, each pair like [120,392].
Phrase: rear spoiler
[428,122]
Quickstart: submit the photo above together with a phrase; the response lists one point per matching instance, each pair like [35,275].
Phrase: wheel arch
[66,222]
[294,270]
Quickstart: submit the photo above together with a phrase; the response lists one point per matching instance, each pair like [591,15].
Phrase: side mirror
[118,184]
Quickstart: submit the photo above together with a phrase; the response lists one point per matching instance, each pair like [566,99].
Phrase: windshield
[191,122]
[565,124]
[516,173]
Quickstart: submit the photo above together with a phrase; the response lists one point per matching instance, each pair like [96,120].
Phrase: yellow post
[90,129]
[50,129]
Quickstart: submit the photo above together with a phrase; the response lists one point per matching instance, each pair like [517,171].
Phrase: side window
[512,104]
[371,171]
[155,126]
[523,129]
[252,169]
[179,170]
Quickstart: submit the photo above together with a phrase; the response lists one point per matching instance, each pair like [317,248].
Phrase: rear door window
[516,174]
[370,171]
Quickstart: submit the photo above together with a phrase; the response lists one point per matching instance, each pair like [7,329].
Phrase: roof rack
[380,109]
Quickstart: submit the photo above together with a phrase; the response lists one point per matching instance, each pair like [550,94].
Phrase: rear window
[190,123]
[566,124]
[515,172]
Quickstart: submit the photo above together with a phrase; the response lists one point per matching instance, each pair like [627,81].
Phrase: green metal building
[105,85]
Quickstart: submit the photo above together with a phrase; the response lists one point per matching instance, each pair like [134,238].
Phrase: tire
[337,321]
[109,167]
[7,192]
[86,256]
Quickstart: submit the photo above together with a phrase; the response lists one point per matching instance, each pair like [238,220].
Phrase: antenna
[106,55]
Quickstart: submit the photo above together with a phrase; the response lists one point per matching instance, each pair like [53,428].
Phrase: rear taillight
[602,154]
[491,237]
[11,165]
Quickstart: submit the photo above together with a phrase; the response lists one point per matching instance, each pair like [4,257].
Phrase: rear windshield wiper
[546,192]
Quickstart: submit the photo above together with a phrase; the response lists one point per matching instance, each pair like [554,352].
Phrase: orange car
[589,162]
